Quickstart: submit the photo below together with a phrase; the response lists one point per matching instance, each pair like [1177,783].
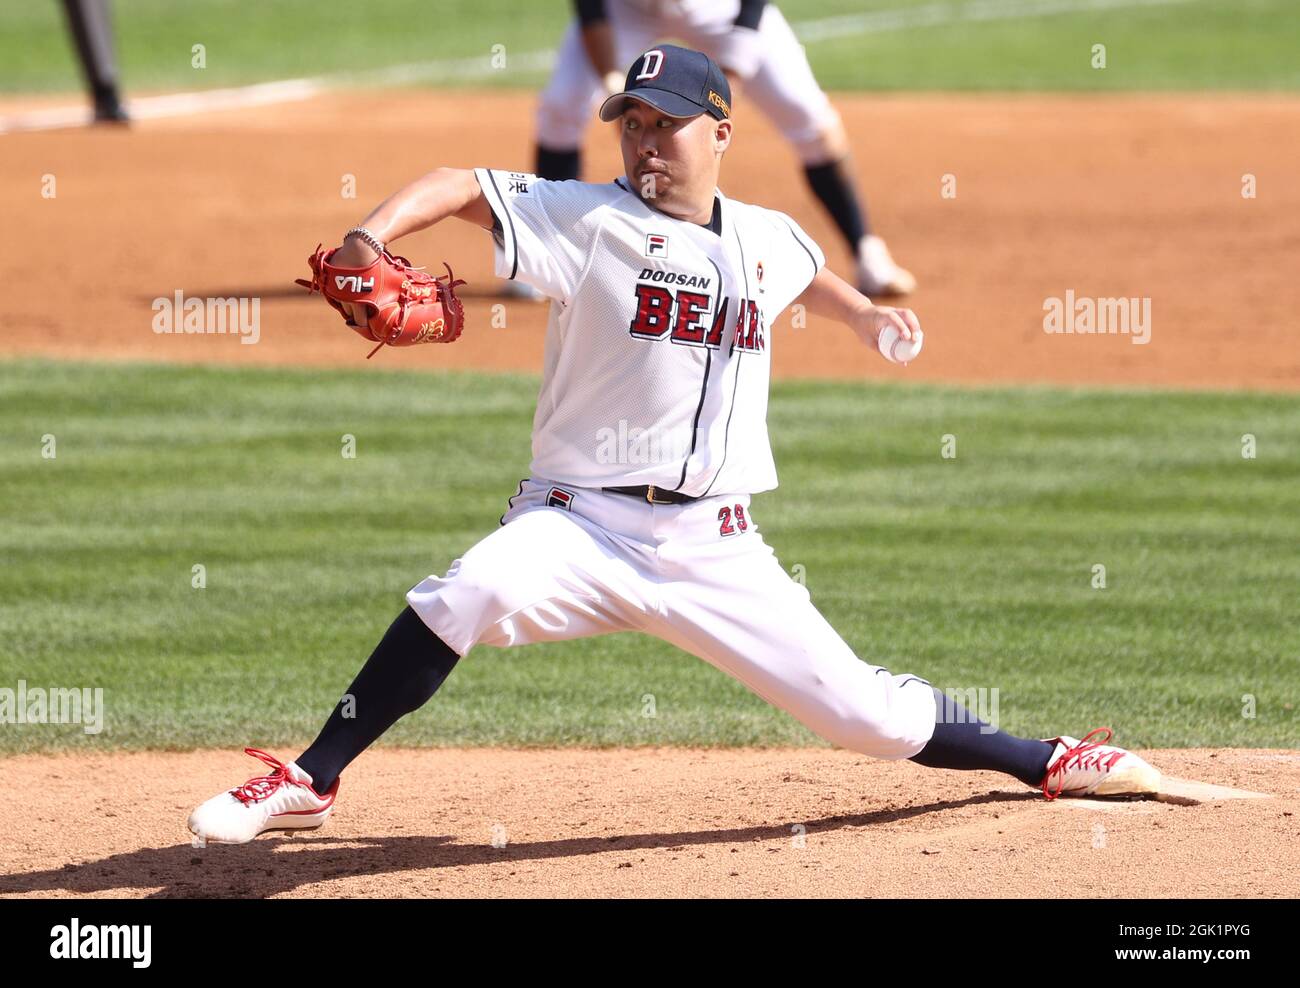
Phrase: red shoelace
[1076,754]
[255,790]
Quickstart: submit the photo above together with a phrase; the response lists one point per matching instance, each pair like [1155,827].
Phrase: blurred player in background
[92,31]
[756,47]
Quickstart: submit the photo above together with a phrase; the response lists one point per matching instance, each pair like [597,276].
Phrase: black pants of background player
[92,33]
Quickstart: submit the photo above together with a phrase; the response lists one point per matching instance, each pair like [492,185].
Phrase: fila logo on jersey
[517,184]
[558,497]
[656,245]
[353,283]
[652,63]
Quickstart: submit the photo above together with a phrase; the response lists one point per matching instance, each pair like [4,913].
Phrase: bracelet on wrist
[366,237]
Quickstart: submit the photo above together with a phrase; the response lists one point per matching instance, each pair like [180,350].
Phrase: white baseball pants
[697,575]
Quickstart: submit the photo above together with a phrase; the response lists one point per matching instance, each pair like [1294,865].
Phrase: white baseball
[897,350]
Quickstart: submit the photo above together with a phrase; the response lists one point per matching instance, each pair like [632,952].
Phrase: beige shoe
[1091,768]
[878,274]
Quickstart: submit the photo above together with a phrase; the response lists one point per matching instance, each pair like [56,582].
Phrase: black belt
[655,495]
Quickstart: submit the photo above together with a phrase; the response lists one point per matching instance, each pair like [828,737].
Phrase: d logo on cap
[651,64]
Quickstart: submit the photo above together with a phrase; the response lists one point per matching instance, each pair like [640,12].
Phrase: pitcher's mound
[650,822]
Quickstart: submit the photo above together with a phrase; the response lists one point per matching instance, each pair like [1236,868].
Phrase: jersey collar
[715,224]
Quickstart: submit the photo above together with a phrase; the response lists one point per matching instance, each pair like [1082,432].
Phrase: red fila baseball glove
[405,305]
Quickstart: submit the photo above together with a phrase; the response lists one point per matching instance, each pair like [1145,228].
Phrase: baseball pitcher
[663,293]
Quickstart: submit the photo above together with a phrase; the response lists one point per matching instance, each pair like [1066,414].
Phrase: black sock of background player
[831,184]
[958,742]
[405,669]
[558,166]
[92,33]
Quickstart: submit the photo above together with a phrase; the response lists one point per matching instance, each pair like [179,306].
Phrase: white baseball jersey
[658,348]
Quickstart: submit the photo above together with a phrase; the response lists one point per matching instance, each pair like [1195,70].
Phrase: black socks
[558,166]
[963,741]
[405,669]
[831,184]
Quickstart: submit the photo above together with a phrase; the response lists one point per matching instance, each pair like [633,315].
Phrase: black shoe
[111,111]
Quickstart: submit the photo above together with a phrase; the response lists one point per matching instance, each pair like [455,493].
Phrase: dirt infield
[1135,197]
[648,822]
[1132,197]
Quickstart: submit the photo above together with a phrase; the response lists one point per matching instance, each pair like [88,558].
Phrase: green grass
[973,572]
[1198,44]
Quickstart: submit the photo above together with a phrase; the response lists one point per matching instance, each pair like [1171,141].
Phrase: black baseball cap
[679,82]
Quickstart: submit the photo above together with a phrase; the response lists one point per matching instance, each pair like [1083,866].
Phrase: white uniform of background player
[773,67]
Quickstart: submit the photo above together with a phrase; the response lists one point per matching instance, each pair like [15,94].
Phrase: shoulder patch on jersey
[558,497]
[519,184]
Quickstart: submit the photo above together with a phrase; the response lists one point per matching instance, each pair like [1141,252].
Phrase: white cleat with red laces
[282,800]
[1093,768]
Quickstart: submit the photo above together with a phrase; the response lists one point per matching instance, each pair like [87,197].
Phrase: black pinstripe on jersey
[708,364]
[811,257]
[514,243]
[735,383]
